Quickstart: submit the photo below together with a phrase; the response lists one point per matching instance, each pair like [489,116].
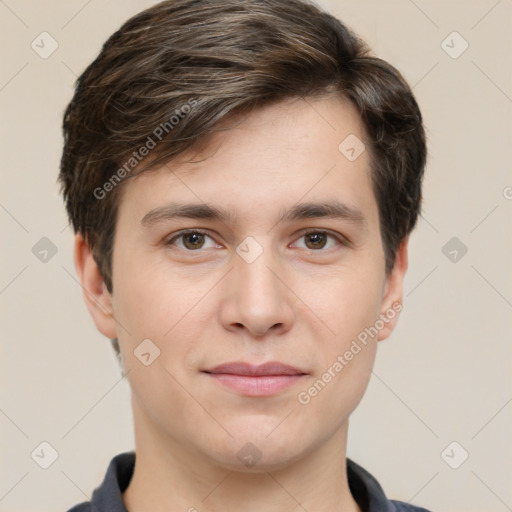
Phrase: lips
[246,369]
[255,380]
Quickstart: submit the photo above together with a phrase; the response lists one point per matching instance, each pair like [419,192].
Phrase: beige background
[445,375]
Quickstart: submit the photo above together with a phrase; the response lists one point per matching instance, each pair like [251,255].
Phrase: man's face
[253,289]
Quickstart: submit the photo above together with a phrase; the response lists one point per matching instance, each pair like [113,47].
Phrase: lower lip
[263,385]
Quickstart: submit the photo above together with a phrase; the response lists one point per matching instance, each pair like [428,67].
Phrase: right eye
[192,240]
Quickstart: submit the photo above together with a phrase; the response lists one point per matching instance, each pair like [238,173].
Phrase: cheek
[346,355]
[145,297]
[329,399]
[165,307]
[152,307]
[159,397]
[350,302]
[351,309]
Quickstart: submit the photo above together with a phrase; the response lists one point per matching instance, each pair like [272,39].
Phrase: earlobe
[393,292]
[96,296]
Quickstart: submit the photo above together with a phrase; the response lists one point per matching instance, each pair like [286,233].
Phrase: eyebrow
[329,209]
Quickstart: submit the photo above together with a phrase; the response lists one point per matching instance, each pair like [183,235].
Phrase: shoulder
[370,496]
[108,496]
[82,507]
[400,506]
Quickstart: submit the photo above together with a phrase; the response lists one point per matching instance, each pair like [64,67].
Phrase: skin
[298,303]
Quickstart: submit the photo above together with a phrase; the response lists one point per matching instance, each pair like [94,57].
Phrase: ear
[393,292]
[96,296]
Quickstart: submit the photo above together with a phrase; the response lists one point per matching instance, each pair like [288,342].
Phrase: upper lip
[242,368]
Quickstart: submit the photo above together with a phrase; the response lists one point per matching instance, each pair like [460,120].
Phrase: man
[242,177]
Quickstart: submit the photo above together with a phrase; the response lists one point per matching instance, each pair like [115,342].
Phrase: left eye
[316,240]
[194,240]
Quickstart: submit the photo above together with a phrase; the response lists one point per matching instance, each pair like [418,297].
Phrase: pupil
[319,237]
[196,237]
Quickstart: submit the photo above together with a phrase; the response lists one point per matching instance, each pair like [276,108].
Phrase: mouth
[256,380]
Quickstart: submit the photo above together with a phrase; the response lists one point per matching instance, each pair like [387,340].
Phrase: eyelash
[342,240]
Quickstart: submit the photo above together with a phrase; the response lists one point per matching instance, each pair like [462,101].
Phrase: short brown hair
[204,61]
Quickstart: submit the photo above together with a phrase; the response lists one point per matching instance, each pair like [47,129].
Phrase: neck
[168,477]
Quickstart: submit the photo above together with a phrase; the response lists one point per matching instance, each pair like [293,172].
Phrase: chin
[250,459]
[255,451]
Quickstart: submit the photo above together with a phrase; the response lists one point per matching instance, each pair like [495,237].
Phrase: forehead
[301,150]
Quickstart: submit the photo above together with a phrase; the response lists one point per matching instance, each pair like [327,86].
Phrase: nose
[257,296]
